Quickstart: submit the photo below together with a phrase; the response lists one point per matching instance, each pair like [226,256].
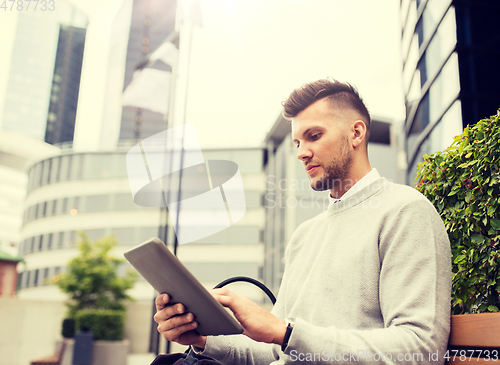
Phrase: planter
[103,352]
[478,332]
[110,352]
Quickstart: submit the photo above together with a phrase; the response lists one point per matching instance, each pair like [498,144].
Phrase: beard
[337,171]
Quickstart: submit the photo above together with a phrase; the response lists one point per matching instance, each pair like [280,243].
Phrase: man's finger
[175,322]
[227,299]
[172,334]
[168,312]
[161,301]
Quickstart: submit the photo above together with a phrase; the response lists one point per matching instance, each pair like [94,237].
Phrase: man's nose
[303,153]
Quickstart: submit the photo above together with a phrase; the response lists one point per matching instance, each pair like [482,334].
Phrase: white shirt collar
[360,184]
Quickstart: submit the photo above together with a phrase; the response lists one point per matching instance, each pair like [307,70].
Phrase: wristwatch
[289,327]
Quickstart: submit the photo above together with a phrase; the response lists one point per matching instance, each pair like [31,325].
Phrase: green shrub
[92,280]
[463,183]
[106,325]
[68,328]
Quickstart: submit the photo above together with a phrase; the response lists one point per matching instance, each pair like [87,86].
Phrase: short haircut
[342,94]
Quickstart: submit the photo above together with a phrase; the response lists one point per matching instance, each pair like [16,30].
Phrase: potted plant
[463,183]
[97,296]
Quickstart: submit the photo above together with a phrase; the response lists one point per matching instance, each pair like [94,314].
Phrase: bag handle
[191,355]
[248,280]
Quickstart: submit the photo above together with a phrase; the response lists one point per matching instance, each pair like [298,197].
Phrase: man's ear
[358,129]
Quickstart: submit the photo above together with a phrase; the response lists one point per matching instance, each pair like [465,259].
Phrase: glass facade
[65,85]
[448,49]
[430,78]
[152,21]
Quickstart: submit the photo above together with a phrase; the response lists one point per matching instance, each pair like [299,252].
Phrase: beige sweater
[367,282]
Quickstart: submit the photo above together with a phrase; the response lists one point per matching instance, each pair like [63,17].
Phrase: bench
[52,359]
[470,332]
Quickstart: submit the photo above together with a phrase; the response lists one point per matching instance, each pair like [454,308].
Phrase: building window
[70,166]
[60,242]
[35,280]
[65,168]
[54,173]
[439,48]
[45,276]
[49,241]
[431,16]
[28,278]
[40,243]
[64,206]
[48,166]
[409,27]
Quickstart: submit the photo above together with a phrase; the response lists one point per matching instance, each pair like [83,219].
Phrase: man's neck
[341,188]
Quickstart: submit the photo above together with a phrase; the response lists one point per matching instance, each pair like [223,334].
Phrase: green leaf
[493,308]
[478,238]
[495,223]
[459,259]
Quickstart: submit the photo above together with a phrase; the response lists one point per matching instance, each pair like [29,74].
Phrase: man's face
[323,145]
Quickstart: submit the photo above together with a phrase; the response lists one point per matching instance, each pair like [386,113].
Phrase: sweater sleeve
[414,295]
[239,349]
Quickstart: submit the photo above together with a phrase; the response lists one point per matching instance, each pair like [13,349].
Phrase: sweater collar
[366,180]
[363,192]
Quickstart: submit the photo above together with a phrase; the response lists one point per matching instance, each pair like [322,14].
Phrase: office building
[449,53]
[90,192]
[152,22]
[32,77]
[17,153]
[65,85]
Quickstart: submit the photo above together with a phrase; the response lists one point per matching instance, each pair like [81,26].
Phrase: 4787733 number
[28,5]
[471,355]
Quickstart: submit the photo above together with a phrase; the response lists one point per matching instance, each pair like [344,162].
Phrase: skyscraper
[449,48]
[152,22]
[31,76]
[65,85]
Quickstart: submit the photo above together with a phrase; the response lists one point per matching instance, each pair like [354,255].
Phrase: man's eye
[297,145]
[314,137]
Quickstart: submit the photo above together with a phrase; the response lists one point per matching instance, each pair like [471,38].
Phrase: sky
[250,54]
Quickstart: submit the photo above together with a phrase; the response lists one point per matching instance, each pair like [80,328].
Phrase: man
[367,281]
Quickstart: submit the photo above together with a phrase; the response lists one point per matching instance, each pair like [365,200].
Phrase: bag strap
[191,357]
[248,280]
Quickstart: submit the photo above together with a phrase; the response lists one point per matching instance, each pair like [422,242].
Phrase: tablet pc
[166,274]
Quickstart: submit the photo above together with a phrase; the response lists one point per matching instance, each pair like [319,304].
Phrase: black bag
[189,357]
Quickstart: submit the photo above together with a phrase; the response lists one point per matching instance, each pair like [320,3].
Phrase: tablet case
[166,274]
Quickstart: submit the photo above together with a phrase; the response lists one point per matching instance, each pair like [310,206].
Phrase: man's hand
[175,325]
[259,324]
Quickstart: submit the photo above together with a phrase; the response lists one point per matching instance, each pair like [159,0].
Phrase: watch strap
[288,333]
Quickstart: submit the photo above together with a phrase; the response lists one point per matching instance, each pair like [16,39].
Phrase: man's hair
[341,94]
